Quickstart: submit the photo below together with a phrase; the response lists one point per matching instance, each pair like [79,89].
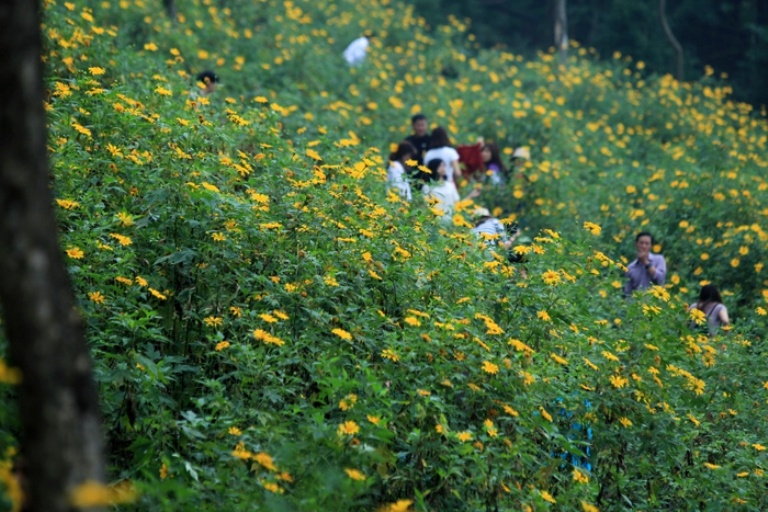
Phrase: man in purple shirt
[648,269]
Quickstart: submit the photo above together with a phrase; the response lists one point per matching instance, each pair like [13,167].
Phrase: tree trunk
[672,39]
[170,9]
[561,31]
[61,428]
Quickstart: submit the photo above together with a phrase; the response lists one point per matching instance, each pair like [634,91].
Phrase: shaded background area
[729,35]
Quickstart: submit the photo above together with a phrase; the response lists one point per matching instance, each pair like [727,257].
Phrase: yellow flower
[157,294]
[412,321]
[75,253]
[398,506]
[464,436]
[272,487]
[348,402]
[314,155]
[547,497]
[528,379]
[341,333]
[390,354]
[123,240]
[213,321]
[67,204]
[125,219]
[95,494]
[264,336]
[97,297]
[510,411]
[544,316]
[489,367]
[141,281]
[150,47]
[354,474]
[735,262]
[9,375]
[268,318]
[551,277]
[625,421]
[618,382]
[163,471]
[265,460]
[348,428]
[698,316]
[593,228]
[545,414]
[222,345]
[374,419]
[580,477]
[234,431]
[559,360]
[588,507]
[758,447]
[161,91]
[96,71]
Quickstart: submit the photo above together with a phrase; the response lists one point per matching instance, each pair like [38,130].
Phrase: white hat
[522,152]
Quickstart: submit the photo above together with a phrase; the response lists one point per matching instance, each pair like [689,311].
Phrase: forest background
[729,35]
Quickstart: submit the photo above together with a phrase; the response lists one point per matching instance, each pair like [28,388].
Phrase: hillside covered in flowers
[272,329]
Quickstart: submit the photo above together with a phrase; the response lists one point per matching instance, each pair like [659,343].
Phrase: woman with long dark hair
[711,304]
[397,173]
[440,148]
[493,164]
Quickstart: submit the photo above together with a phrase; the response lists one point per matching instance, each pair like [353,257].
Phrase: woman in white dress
[397,176]
[440,192]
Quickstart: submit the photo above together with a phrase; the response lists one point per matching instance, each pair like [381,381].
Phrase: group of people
[651,269]
[427,162]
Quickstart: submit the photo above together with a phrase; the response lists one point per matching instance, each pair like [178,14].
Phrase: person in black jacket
[420,138]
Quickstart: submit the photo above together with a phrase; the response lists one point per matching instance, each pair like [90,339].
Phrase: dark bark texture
[61,427]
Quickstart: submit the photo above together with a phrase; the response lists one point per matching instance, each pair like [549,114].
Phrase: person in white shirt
[397,176]
[441,148]
[443,194]
[355,53]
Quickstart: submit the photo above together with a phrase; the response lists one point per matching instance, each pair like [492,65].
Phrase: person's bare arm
[722,315]
[456,170]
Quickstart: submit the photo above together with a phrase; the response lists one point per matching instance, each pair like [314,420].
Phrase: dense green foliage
[731,35]
[273,330]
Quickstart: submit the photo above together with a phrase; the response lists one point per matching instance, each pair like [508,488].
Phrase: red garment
[470,159]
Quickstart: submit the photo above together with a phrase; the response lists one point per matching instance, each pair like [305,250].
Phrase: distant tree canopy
[729,35]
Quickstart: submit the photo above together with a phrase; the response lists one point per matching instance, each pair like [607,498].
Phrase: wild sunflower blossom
[464,436]
[264,336]
[348,428]
[698,316]
[341,333]
[593,228]
[348,402]
[75,253]
[355,474]
[551,277]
